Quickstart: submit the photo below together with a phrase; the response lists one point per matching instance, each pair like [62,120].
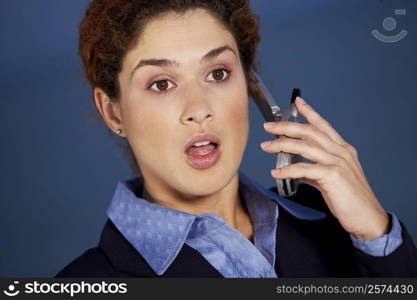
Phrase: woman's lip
[204,161]
[201,137]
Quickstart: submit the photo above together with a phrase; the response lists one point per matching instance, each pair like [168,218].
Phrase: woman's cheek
[238,121]
[239,109]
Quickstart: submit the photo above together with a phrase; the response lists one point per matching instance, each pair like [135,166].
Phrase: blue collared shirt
[158,233]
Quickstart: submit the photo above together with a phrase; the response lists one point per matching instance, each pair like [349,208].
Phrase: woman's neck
[226,204]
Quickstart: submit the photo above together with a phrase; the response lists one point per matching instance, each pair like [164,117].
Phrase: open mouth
[203,151]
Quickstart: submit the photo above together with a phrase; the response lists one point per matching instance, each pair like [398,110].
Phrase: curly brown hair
[110,28]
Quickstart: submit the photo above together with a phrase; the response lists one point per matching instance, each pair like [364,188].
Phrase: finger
[307,132]
[308,150]
[299,170]
[311,133]
[318,121]
[310,182]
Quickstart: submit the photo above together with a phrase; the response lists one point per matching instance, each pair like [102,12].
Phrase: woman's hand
[336,173]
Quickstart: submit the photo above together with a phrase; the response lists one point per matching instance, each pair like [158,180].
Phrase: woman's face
[163,105]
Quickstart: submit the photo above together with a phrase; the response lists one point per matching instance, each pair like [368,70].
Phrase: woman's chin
[206,182]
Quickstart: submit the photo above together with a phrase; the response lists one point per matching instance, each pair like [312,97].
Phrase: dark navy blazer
[304,248]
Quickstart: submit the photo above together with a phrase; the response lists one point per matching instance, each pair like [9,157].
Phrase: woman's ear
[109,110]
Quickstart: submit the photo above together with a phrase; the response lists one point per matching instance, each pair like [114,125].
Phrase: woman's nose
[197,107]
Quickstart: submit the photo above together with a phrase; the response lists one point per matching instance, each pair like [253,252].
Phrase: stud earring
[118,131]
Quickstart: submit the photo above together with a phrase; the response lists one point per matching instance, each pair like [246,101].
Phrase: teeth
[201,143]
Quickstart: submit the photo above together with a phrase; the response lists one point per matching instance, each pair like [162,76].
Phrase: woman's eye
[161,85]
[219,74]
[164,85]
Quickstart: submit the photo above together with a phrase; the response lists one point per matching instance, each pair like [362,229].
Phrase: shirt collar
[297,210]
[135,218]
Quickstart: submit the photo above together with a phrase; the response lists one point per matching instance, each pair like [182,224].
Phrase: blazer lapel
[125,259]
[296,254]
[312,248]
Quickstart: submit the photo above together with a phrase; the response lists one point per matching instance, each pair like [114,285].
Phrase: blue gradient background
[59,169]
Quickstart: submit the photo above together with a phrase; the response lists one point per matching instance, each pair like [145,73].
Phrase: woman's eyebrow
[166,62]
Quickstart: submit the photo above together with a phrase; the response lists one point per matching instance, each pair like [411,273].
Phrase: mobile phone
[273,113]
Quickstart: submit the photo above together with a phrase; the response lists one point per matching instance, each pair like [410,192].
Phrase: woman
[171,78]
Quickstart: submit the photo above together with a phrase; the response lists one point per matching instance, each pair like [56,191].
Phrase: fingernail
[265,144]
[275,171]
[301,100]
[269,125]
